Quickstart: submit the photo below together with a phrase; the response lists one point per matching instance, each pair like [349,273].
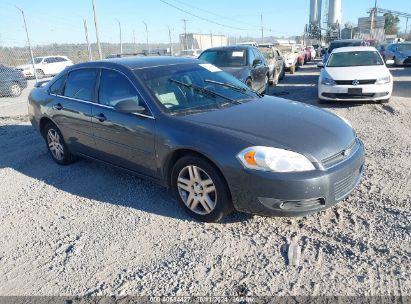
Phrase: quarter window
[114,88]
[55,88]
[80,84]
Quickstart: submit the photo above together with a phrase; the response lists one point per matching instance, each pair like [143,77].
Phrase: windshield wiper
[232,86]
[204,91]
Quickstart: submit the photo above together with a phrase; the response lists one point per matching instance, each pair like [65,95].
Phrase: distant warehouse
[192,41]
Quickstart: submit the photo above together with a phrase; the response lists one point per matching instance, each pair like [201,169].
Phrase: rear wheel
[276,76]
[40,74]
[282,73]
[56,145]
[200,189]
[15,89]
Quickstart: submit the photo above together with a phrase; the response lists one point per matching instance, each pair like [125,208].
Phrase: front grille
[349,82]
[340,156]
[345,186]
[348,96]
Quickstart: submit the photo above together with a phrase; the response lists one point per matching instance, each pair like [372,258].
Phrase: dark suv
[12,81]
[246,63]
[341,43]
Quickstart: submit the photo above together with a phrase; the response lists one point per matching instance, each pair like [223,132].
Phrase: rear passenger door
[71,108]
[123,139]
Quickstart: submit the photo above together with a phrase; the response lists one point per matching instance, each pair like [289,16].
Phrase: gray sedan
[399,52]
[185,124]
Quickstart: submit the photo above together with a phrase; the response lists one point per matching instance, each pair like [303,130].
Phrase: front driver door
[123,139]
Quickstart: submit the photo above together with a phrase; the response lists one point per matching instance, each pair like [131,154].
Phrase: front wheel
[200,189]
[56,145]
[15,89]
[292,69]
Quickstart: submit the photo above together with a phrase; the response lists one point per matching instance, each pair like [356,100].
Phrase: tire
[266,85]
[15,89]
[292,69]
[275,79]
[56,145]
[282,73]
[40,74]
[190,178]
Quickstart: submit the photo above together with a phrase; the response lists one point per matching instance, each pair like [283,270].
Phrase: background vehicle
[197,130]
[12,82]
[275,62]
[313,52]
[45,66]
[246,63]
[399,52]
[355,73]
[292,57]
[341,43]
[189,53]
[381,48]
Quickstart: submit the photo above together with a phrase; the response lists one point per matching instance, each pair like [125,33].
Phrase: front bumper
[403,60]
[369,92]
[296,194]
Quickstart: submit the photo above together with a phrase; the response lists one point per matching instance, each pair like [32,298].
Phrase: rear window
[225,58]
[336,45]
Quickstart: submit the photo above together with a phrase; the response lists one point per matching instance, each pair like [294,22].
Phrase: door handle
[58,106]
[101,117]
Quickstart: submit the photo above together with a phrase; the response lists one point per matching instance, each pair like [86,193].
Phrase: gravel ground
[89,229]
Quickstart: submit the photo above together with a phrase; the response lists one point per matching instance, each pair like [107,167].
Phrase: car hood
[237,72]
[357,72]
[24,66]
[281,123]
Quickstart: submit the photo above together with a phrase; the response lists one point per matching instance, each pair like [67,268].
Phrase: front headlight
[327,81]
[273,159]
[383,80]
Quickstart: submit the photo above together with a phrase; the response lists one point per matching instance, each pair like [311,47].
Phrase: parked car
[312,51]
[303,55]
[399,52]
[275,63]
[45,66]
[381,48]
[292,57]
[355,73]
[12,82]
[202,133]
[341,43]
[244,62]
[189,53]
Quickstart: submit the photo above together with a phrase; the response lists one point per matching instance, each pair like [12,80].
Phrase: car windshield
[191,88]
[225,58]
[404,47]
[356,58]
[36,60]
[337,45]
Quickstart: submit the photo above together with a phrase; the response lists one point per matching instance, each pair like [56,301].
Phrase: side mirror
[389,62]
[128,106]
[320,64]
[257,62]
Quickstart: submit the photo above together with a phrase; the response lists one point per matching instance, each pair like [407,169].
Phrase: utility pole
[262,29]
[185,32]
[134,41]
[96,26]
[171,43]
[148,45]
[28,41]
[121,43]
[90,55]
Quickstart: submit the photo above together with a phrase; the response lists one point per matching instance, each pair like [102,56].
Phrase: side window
[56,87]
[114,87]
[49,60]
[60,59]
[80,84]
[251,56]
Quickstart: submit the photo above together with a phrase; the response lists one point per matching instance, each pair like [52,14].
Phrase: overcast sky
[62,21]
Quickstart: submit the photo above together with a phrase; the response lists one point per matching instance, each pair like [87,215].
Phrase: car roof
[231,47]
[355,49]
[146,62]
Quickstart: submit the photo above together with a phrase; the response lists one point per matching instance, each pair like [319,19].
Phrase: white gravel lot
[89,229]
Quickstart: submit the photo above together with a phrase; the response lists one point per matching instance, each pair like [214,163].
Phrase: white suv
[48,65]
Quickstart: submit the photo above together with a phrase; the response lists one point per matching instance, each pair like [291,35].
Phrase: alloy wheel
[55,144]
[197,190]
[15,90]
